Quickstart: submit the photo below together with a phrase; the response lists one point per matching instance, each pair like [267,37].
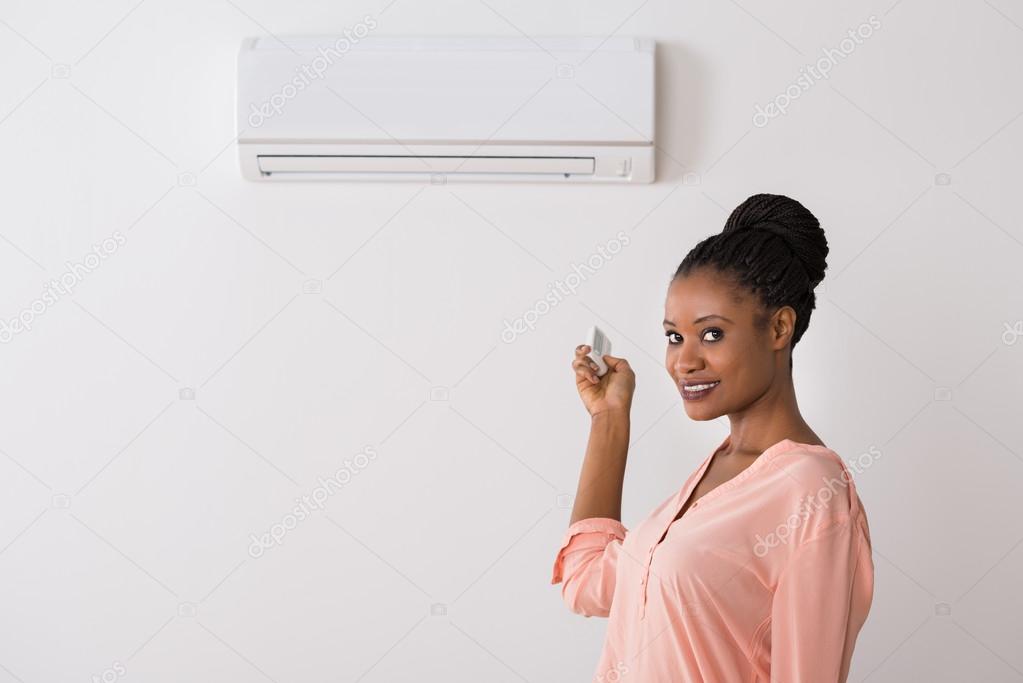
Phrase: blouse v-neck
[687,491]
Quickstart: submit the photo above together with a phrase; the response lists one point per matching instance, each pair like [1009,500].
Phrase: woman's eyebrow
[700,320]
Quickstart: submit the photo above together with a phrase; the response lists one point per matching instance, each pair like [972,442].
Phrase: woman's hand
[613,391]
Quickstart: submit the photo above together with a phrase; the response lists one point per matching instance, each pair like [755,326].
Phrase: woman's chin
[700,413]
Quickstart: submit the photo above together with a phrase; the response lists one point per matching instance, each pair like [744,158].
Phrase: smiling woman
[697,597]
[742,299]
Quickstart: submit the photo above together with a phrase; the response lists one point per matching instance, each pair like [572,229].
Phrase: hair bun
[786,218]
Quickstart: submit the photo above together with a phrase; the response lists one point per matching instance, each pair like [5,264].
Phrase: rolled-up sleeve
[820,604]
[586,563]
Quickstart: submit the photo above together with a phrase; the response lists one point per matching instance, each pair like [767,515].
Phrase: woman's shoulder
[812,463]
[820,476]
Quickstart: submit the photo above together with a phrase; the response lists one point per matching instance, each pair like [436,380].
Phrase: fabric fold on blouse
[767,578]
[589,564]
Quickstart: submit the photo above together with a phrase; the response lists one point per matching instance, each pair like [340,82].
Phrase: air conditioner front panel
[382,88]
[579,108]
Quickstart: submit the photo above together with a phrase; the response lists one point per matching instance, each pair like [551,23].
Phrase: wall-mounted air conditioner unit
[446,108]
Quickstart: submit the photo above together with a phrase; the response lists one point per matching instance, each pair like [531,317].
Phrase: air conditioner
[439,108]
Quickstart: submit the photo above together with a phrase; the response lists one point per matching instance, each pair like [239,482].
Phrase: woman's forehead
[699,295]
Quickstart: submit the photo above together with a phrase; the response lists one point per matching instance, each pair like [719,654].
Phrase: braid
[772,246]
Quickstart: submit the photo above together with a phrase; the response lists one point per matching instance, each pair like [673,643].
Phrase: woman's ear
[783,326]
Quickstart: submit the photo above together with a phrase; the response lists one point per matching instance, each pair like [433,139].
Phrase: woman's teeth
[697,392]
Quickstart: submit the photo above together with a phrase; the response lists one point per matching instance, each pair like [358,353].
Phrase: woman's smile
[697,392]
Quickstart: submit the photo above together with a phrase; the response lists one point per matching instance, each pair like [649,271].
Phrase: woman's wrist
[613,415]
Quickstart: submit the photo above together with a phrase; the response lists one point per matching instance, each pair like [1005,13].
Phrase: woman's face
[711,338]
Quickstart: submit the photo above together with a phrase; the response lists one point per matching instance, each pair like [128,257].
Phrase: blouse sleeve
[820,604]
[586,561]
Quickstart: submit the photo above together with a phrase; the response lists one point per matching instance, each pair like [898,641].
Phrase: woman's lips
[690,395]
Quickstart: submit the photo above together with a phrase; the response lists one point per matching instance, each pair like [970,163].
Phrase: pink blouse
[766,578]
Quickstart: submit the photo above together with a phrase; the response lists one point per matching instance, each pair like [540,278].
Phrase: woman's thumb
[614,362]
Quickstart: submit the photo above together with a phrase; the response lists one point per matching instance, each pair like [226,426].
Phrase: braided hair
[773,246]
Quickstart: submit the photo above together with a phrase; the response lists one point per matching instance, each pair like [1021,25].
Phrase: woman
[759,568]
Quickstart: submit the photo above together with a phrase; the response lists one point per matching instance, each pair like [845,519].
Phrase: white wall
[126,511]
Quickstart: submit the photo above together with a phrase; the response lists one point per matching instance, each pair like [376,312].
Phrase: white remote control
[599,345]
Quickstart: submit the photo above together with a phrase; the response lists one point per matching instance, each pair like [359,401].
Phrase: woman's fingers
[587,368]
[589,363]
[580,354]
[583,367]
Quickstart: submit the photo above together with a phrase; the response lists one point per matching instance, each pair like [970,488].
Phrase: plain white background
[199,379]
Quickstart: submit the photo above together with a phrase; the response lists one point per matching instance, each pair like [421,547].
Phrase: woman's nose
[686,360]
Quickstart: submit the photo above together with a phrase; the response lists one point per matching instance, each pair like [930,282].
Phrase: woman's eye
[713,331]
[676,338]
